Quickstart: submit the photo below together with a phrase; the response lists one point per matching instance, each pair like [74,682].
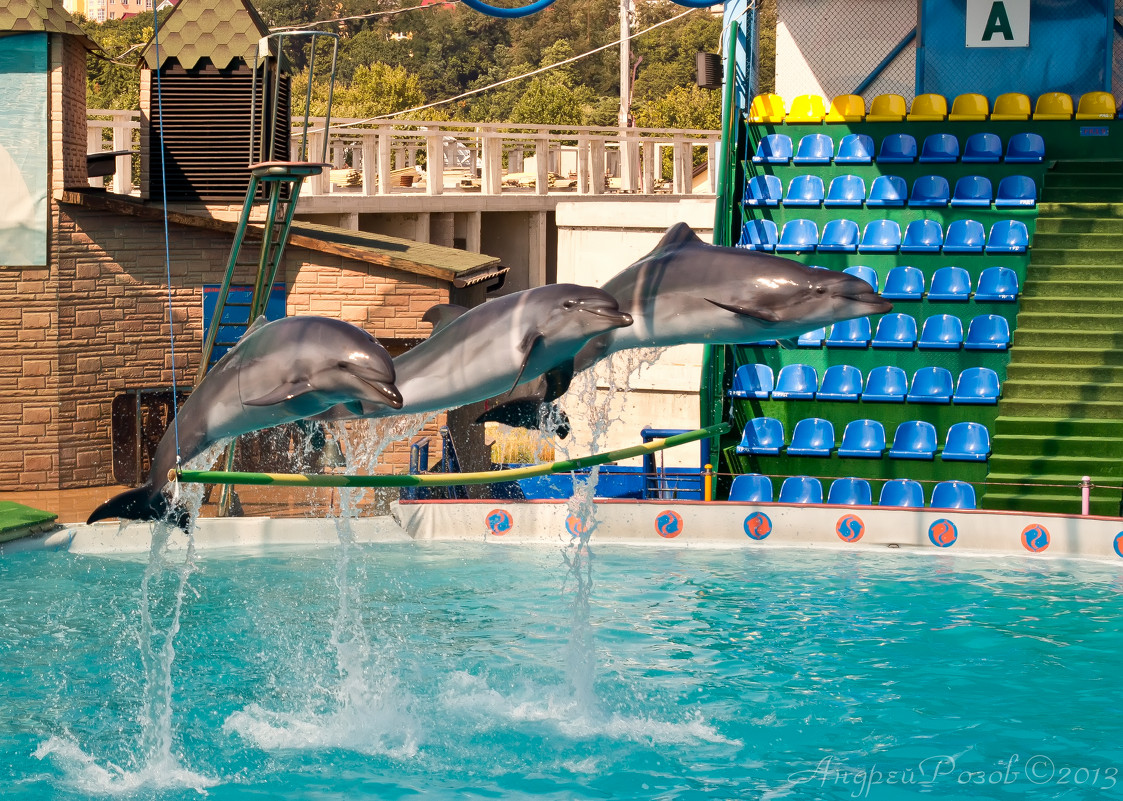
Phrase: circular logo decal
[668,524]
[499,521]
[758,526]
[943,533]
[575,525]
[850,528]
[1119,544]
[1035,538]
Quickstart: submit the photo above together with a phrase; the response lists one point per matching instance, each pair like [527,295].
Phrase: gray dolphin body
[685,291]
[278,372]
[479,353]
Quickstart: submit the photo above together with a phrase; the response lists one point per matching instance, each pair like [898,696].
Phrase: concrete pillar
[582,166]
[370,163]
[384,161]
[650,158]
[473,222]
[123,177]
[629,163]
[492,179]
[422,227]
[536,247]
[542,166]
[596,167]
[435,162]
[711,167]
[442,228]
[349,221]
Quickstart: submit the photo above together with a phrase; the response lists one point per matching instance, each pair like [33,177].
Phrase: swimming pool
[448,670]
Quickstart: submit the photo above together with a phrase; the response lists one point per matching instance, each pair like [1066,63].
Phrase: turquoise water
[445,671]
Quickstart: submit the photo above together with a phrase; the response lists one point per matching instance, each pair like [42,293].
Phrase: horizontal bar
[441,479]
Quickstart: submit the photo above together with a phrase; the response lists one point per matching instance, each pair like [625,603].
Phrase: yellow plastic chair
[1096,106]
[928,107]
[1011,106]
[767,108]
[847,108]
[1053,106]
[887,108]
[969,107]
[807,108]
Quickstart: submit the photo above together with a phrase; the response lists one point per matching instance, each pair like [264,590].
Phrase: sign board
[998,23]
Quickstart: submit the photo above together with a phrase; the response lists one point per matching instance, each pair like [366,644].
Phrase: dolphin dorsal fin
[442,314]
[256,324]
[678,235]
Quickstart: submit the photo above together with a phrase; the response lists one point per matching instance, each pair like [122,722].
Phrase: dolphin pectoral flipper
[281,393]
[441,315]
[527,347]
[761,314]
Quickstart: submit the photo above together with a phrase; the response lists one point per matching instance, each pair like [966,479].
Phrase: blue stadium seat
[1025,148]
[941,332]
[1008,236]
[930,191]
[763,436]
[850,492]
[886,383]
[987,332]
[774,149]
[950,283]
[855,149]
[798,236]
[1016,191]
[881,236]
[982,148]
[752,381]
[763,190]
[863,439]
[922,236]
[895,331]
[953,495]
[997,283]
[758,235]
[812,436]
[846,190]
[804,190]
[978,386]
[841,382]
[904,283]
[816,148]
[966,442]
[801,489]
[902,492]
[839,236]
[931,385]
[940,148]
[796,382]
[898,148]
[812,339]
[867,274]
[850,334]
[751,488]
[888,190]
[965,236]
[914,439]
[972,190]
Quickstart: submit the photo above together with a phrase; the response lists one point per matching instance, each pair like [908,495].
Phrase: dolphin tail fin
[524,414]
[142,503]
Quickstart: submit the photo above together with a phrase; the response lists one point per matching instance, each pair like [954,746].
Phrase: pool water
[450,670]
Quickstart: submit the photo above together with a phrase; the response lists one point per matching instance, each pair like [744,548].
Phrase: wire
[532,73]
[371,15]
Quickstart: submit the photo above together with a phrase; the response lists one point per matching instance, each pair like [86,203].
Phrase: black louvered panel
[206,129]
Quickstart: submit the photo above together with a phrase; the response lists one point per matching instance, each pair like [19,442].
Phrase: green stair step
[1066,372]
[1046,209]
[1057,256]
[1036,288]
[1070,321]
[1103,502]
[1073,448]
[1043,271]
[1070,240]
[1050,390]
[1058,427]
[1103,305]
[1076,225]
[1035,338]
[1059,471]
[1076,357]
[1086,410]
[1077,194]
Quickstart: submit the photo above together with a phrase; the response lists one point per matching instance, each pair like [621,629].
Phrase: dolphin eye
[820,290]
[569,304]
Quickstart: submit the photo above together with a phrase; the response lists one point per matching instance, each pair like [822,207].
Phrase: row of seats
[769,108]
[899,148]
[865,439]
[950,283]
[900,492]
[884,236]
[843,382]
[928,191]
[940,332]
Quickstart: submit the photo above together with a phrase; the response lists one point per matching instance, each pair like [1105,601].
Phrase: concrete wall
[596,241]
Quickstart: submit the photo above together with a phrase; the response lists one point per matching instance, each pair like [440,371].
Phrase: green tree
[113,76]
[683,107]
[373,90]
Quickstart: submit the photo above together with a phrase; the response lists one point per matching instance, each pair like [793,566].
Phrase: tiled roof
[218,30]
[27,16]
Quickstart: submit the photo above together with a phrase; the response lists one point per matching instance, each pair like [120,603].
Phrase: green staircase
[1061,413]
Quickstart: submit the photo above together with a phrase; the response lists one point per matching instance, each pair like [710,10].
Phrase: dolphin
[279,372]
[478,353]
[685,291]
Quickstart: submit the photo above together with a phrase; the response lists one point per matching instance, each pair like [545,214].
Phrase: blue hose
[538,5]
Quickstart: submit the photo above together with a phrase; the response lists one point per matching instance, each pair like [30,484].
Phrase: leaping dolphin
[279,372]
[685,291]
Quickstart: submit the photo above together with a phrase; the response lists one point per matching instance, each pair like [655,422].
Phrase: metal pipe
[1086,495]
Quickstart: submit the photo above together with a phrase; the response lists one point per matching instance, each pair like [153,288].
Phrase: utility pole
[625,61]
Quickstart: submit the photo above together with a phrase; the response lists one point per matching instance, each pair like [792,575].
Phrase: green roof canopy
[46,16]
[218,30]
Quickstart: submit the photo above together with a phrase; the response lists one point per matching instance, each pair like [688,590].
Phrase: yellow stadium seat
[1053,106]
[767,108]
[1011,106]
[1096,106]
[847,108]
[969,107]
[928,108]
[887,108]
[807,108]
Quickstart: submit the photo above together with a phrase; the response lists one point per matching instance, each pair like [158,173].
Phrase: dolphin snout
[389,392]
[621,318]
